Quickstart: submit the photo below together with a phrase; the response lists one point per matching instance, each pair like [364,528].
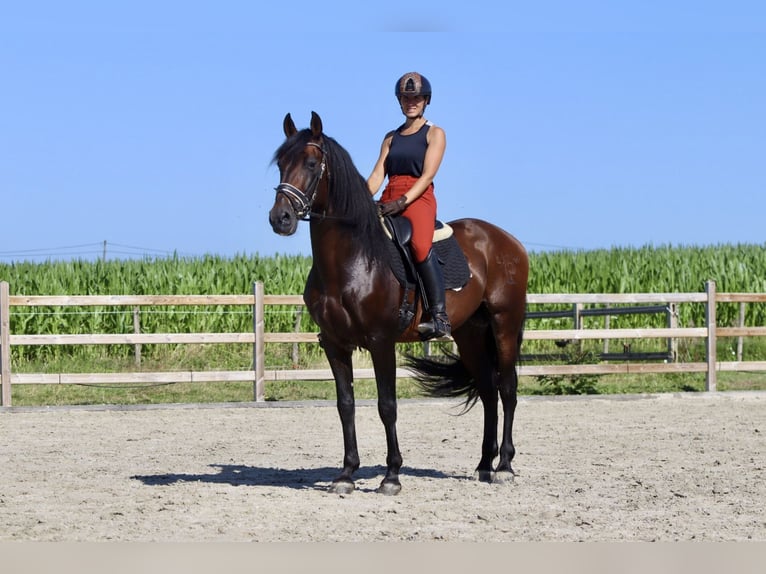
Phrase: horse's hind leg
[508,387]
[472,340]
[507,330]
[488,396]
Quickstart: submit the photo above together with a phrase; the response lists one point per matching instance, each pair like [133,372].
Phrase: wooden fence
[258,338]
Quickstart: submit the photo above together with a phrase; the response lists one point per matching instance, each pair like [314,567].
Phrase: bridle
[301,201]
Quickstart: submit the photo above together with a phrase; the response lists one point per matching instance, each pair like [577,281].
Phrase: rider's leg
[433,280]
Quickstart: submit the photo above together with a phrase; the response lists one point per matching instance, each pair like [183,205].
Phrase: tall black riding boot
[433,282]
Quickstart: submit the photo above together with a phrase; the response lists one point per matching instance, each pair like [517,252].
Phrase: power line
[142,249]
[49,249]
[103,249]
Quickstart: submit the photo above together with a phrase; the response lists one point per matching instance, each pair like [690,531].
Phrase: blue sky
[151,125]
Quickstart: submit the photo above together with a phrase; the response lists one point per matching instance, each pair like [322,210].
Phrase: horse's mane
[349,198]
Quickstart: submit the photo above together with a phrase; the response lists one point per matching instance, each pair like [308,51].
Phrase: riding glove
[392,207]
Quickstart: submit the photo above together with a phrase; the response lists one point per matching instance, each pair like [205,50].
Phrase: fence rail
[258,338]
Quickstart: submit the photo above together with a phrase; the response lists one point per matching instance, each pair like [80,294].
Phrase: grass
[280,356]
[57,395]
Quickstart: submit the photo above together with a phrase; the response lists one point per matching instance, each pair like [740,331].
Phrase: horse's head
[302,162]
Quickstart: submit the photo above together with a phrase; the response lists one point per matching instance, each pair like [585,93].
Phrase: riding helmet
[413,84]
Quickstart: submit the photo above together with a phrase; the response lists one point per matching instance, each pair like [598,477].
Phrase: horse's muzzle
[282,219]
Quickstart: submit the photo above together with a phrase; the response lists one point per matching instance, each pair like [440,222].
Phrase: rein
[299,200]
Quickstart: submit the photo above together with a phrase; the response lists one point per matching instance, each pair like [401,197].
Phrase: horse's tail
[447,377]
[444,377]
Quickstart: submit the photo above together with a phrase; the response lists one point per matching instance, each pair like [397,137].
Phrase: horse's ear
[316,125]
[289,126]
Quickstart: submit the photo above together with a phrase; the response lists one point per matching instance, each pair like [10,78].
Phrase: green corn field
[649,269]
[664,269]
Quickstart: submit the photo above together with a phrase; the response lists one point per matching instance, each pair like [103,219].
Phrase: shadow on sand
[299,478]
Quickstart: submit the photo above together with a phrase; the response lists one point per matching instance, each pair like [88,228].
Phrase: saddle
[448,253]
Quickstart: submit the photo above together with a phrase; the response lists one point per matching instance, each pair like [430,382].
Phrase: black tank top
[406,154]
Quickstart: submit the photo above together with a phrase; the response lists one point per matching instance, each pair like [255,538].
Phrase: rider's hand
[392,207]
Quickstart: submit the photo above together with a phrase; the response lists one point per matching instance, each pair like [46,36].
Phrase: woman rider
[410,156]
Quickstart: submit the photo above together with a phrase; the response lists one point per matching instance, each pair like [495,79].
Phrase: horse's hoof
[342,487]
[483,475]
[503,477]
[390,488]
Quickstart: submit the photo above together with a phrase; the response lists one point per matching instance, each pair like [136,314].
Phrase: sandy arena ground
[657,468]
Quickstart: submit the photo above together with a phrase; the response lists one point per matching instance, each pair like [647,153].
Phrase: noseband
[301,201]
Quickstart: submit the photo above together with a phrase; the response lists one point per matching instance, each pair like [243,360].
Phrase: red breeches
[421,213]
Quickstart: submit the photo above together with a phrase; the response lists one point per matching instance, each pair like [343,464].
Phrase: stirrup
[439,326]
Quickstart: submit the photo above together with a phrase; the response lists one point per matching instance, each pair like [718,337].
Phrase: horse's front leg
[342,370]
[384,362]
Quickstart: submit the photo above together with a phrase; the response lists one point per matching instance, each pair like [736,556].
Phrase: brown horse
[354,297]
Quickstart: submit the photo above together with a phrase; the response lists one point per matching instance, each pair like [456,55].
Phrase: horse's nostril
[282,221]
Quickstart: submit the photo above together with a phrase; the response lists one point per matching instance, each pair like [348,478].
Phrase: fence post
[740,324]
[296,354]
[576,310]
[5,344]
[673,324]
[258,346]
[710,323]
[137,331]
